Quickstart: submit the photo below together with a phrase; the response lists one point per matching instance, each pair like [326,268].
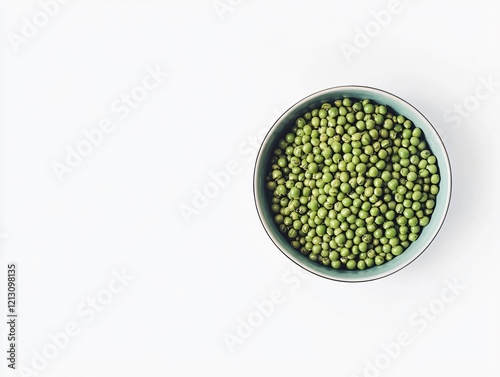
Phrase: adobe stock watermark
[485,88]
[363,37]
[221,7]
[220,179]
[121,107]
[263,309]
[86,312]
[31,26]
[419,321]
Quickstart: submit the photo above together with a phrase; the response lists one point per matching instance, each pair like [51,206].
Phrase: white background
[230,74]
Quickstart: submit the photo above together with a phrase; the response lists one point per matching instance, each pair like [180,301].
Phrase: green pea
[429,204]
[403,153]
[393,184]
[369,108]
[408,213]
[435,179]
[373,172]
[412,176]
[424,221]
[397,250]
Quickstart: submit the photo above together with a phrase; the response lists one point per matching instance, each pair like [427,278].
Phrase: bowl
[399,106]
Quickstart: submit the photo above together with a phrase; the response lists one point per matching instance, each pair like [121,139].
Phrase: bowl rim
[266,140]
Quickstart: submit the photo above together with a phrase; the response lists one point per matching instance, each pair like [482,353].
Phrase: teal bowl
[285,122]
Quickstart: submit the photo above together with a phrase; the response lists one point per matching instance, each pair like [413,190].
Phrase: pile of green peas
[352,184]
